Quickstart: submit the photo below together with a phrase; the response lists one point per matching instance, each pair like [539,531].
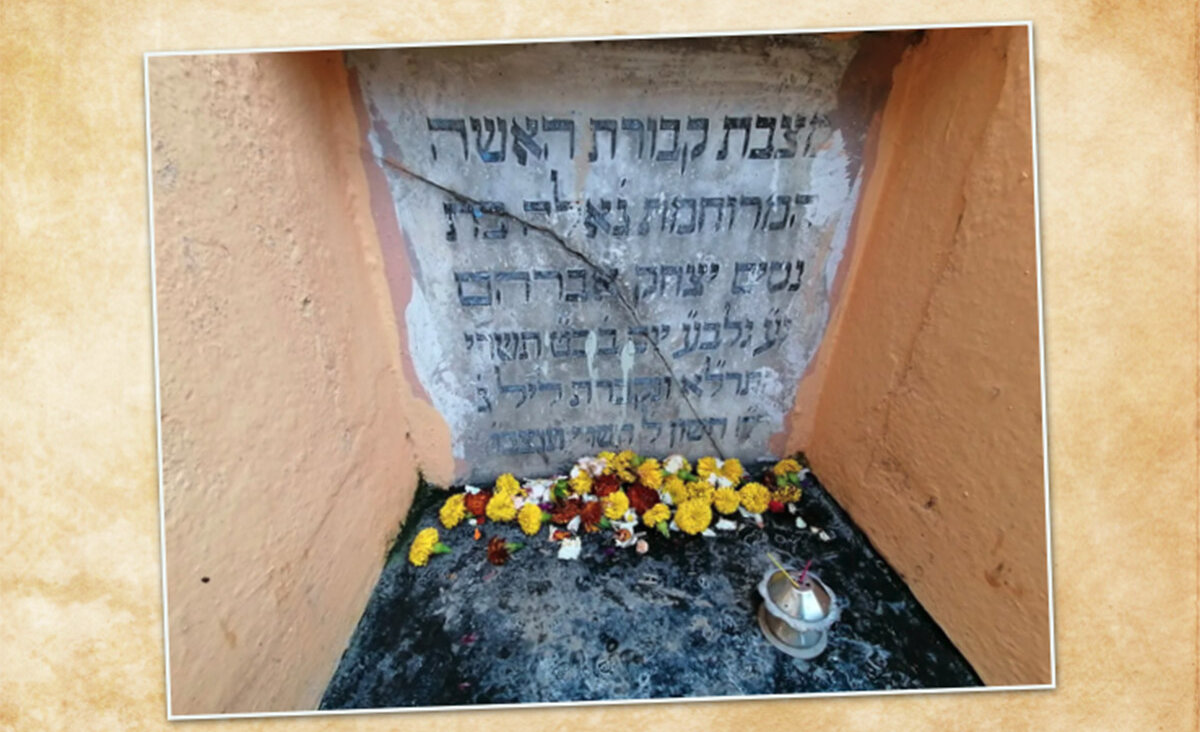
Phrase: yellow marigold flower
[725,500]
[673,486]
[786,494]
[508,485]
[754,497]
[656,515]
[453,511]
[706,466]
[501,508]
[732,470]
[609,459]
[616,504]
[581,483]
[422,546]
[783,467]
[621,465]
[693,516]
[650,473]
[530,518]
[698,490]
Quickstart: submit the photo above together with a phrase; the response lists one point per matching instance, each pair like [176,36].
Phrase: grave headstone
[613,244]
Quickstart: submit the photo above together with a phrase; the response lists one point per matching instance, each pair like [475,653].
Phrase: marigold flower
[650,473]
[698,490]
[508,484]
[530,518]
[754,497]
[674,488]
[787,494]
[609,458]
[725,500]
[605,484]
[693,516]
[707,466]
[477,503]
[562,514]
[656,515]
[499,550]
[581,482]
[425,544]
[621,465]
[616,504]
[590,516]
[732,470]
[783,467]
[642,498]
[501,508]
[453,511]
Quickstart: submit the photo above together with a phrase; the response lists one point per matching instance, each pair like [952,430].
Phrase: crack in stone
[618,287]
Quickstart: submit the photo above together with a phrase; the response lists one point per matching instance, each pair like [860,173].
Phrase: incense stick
[781,569]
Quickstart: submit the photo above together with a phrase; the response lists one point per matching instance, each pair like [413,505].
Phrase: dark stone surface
[678,621]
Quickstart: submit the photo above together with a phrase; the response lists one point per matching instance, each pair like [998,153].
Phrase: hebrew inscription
[610,245]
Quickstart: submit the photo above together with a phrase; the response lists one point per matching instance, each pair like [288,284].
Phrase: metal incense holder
[797,620]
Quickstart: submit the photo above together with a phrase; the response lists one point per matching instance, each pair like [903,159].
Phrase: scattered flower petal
[570,548]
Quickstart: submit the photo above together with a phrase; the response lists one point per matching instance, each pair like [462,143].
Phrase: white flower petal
[570,548]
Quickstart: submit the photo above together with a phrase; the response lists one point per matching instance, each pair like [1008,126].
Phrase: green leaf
[687,475]
[664,529]
[637,460]
[440,548]
[514,546]
[605,523]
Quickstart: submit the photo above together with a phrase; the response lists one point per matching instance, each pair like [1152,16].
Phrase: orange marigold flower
[605,485]
[642,498]
[567,510]
[477,503]
[589,517]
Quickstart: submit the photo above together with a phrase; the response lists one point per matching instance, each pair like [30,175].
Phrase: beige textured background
[80,603]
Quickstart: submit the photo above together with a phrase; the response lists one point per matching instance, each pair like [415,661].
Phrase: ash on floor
[678,621]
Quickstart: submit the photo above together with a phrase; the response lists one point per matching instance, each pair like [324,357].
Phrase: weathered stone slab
[614,244]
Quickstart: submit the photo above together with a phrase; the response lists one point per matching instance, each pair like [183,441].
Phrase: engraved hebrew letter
[441,124]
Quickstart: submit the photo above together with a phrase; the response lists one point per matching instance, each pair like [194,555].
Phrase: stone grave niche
[613,244]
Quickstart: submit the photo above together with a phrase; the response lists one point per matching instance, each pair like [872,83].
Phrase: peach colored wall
[928,427]
[263,206]
[290,436]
